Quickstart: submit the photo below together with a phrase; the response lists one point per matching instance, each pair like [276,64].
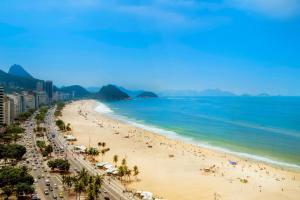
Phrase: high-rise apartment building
[1,106]
[49,91]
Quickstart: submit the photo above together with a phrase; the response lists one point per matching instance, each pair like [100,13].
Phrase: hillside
[147,95]
[15,83]
[111,93]
[77,89]
[18,70]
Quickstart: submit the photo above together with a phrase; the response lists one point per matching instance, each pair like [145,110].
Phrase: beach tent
[112,170]
[145,195]
[70,138]
[80,149]
[101,164]
[108,166]
[232,162]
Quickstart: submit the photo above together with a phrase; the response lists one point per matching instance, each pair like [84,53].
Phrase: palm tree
[98,180]
[7,190]
[15,137]
[103,151]
[64,180]
[79,188]
[135,171]
[115,159]
[124,162]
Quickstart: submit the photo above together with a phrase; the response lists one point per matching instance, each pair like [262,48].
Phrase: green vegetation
[103,150]
[45,149]
[16,180]
[11,133]
[25,115]
[60,164]
[124,171]
[12,151]
[59,107]
[111,93]
[40,117]
[92,152]
[61,125]
[84,183]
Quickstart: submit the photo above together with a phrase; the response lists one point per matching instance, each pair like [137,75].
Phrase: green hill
[147,95]
[111,93]
[76,89]
[14,83]
[18,70]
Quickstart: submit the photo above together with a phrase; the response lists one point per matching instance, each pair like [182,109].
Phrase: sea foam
[104,109]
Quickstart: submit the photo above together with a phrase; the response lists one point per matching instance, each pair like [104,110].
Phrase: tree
[103,151]
[135,171]
[12,151]
[8,191]
[124,162]
[49,149]
[16,179]
[61,125]
[40,144]
[61,164]
[68,128]
[115,159]
[79,188]
[24,188]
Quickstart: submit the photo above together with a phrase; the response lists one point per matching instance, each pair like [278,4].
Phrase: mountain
[78,91]
[111,93]
[147,95]
[131,93]
[14,83]
[93,89]
[18,70]
[208,92]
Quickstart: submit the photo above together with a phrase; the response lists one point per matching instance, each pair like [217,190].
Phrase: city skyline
[236,45]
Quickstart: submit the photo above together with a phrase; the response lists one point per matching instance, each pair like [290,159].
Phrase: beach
[174,169]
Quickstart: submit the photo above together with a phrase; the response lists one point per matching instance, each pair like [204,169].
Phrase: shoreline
[103,109]
[186,167]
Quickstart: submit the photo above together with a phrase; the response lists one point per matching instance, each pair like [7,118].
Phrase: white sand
[180,177]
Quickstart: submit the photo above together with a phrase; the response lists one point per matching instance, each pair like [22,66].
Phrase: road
[37,164]
[112,188]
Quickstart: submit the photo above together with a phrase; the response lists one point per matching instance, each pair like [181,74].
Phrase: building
[1,106]
[40,99]
[29,100]
[7,110]
[40,86]
[49,91]
[15,105]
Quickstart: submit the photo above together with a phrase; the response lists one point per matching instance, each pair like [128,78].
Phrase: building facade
[49,91]
[1,106]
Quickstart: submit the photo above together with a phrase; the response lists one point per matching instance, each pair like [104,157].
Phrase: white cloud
[271,8]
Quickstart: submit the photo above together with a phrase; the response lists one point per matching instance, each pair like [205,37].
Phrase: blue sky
[244,46]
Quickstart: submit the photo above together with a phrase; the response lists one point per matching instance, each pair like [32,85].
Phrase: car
[34,168]
[54,196]
[39,176]
[106,198]
[50,188]
[46,191]
[35,180]
[55,186]
[61,195]
[45,170]
[48,176]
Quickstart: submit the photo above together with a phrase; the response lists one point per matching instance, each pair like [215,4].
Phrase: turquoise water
[263,128]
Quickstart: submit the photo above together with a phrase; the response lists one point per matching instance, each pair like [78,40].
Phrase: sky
[243,46]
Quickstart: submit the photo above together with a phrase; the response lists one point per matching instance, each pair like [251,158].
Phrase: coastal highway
[111,188]
[38,166]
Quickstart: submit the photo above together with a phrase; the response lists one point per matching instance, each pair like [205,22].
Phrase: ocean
[261,128]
